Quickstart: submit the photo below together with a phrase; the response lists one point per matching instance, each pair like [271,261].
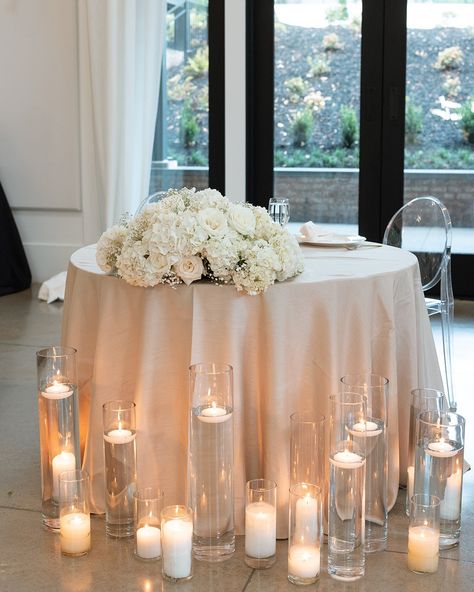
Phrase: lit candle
[119,436]
[177,541]
[441,449]
[57,390]
[148,542]
[75,533]
[410,481]
[214,414]
[367,428]
[64,461]
[450,506]
[423,549]
[306,520]
[303,561]
[260,530]
[347,460]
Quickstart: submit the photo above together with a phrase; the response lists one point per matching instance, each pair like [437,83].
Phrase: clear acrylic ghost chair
[423,226]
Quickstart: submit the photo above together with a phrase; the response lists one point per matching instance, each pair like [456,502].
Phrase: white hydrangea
[192,234]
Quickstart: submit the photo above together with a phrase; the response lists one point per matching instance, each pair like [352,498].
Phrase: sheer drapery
[120,49]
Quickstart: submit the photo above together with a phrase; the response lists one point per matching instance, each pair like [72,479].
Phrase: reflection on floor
[30,558]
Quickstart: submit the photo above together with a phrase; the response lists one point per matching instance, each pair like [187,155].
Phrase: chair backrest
[423,226]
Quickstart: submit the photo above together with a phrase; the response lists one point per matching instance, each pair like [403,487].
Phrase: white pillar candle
[119,436]
[148,542]
[441,449]
[177,542]
[214,414]
[260,530]
[450,505]
[57,390]
[64,461]
[423,549]
[410,481]
[304,561]
[306,520]
[75,533]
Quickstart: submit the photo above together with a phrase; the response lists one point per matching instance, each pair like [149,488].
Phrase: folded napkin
[312,232]
[53,289]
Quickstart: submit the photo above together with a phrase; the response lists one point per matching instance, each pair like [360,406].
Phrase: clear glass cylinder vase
[148,506]
[211,461]
[75,522]
[177,543]
[421,399]
[120,457]
[58,424]
[439,459]
[304,534]
[423,534]
[374,431]
[260,523]
[346,523]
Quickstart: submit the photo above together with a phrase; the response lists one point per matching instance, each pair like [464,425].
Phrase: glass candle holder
[346,524]
[177,543]
[211,461]
[120,467]
[260,523]
[279,210]
[307,448]
[439,461]
[75,522]
[304,534]
[374,431]
[422,399]
[423,534]
[58,424]
[148,506]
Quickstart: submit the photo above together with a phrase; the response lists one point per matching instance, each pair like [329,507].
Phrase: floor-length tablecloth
[350,311]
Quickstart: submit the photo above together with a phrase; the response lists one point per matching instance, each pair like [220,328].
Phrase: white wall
[40,165]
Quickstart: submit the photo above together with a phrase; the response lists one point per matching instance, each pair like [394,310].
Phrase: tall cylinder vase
[346,525]
[422,399]
[58,424]
[211,461]
[374,432]
[120,467]
[439,460]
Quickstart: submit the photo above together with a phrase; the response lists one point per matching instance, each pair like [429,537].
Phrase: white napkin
[312,232]
[53,289]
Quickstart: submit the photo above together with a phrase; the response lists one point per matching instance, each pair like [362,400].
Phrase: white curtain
[120,53]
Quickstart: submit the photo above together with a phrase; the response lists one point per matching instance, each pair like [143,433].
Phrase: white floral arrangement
[190,235]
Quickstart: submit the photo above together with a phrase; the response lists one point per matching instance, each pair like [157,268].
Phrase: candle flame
[213,404]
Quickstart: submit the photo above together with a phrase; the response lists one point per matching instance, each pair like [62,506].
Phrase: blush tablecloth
[350,311]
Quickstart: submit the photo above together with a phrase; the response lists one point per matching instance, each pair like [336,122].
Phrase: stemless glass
[75,522]
[279,210]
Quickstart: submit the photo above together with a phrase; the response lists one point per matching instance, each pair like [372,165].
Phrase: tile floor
[29,555]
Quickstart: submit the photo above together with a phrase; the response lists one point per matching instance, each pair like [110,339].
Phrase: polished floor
[29,555]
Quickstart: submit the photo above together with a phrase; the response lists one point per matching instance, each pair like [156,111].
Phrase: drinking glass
[279,210]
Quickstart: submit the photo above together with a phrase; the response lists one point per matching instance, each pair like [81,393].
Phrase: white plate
[335,240]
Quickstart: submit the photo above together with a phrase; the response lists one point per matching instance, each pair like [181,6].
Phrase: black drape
[15,272]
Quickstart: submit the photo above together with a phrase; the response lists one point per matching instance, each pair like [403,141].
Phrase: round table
[350,311]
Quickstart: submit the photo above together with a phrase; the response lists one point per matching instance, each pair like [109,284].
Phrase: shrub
[315,100]
[179,89]
[452,86]
[467,120]
[449,58]
[198,64]
[339,13]
[331,42]
[198,19]
[349,126]
[189,126]
[302,125]
[413,122]
[296,87]
[318,67]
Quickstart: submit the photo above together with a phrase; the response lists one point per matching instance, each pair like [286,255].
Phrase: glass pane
[180,153]
[317,90]
[439,127]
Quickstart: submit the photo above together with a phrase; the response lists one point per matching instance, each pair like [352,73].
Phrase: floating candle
[441,449]
[214,414]
[119,436]
[347,460]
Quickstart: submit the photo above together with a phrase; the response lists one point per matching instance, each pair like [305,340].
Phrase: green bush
[467,120]
[452,86]
[339,13]
[198,64]
[331,42]
[449,58]
[189,126]
[349,126]
[296,87]
[318,66]
[413,122]
[302,125]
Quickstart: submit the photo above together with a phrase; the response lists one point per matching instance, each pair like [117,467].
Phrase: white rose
[242,219]
[189,269]
[213,221]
